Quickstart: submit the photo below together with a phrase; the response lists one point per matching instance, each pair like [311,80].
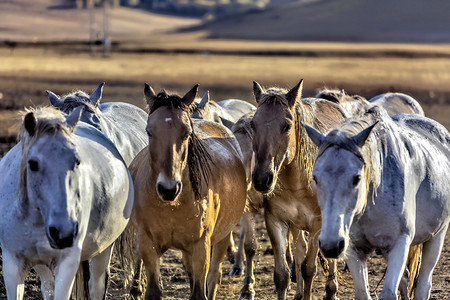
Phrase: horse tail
[80,288]
[413,263]
[125,252]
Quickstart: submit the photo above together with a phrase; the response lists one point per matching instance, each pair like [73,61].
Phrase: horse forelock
[49,121]
[163,99]
[75,99]
[274,95]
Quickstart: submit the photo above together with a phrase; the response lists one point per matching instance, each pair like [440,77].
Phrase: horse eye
[356,179]
[33,165]
[252,125]
[286,128]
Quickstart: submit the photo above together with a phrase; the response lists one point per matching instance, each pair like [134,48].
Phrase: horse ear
[54,100]
[94,99]
[295,94]
[189,98]
[149,95]
[204,101]
[360,138]
[74,118]
[257,91]
[29,123]
[314,135]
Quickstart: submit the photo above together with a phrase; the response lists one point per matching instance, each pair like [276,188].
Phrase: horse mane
[48,121]
[337,96]
[75,99]
[306,149]
[369,154]
[199,159]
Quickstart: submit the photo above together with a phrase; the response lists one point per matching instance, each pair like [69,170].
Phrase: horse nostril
[75,229]
[169,194]
[160,188]
[54,234]
[269,180]
[341,246]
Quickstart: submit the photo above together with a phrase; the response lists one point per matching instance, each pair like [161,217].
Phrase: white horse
[384,187]
[65,197]
[123,123]
[397,103]
[225,112]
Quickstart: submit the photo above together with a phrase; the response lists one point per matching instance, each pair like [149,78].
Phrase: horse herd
[335,172]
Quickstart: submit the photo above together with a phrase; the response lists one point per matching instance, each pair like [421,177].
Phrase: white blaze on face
[168,120]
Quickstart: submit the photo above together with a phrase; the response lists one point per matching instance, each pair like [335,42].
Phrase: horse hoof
[293,277]
[136,292]
[247,295]
[236,271]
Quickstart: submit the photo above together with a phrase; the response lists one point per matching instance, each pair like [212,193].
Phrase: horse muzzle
[61,237]
[332,249]
[263,182]
[168,192]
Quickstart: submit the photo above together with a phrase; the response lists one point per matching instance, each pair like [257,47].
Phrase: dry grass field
[26,73]
[46,48]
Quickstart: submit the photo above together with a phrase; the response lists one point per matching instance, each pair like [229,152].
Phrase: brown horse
[190,187]
[284,159]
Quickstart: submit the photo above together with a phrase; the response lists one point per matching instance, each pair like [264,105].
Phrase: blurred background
[365,47]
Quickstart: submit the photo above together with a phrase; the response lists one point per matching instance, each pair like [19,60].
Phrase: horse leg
[289,256]
[14,276]
[150,256]
[430,256]
[47,281]
[277,232]
[99,270]
[248,225]
[331,286]
[357,264]
[231,249]
[200,265]
[396,262]
[238,265]
[215,268]
[136,285]
[187,263]
[403,286]
[300,253]
[65,273]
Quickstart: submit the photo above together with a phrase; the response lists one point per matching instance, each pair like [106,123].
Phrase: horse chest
[298,208]
[176,226]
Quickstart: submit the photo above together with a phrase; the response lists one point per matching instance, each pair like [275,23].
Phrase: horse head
[79,98]
[50,162]
[170,131]
[274,133]
[341,180]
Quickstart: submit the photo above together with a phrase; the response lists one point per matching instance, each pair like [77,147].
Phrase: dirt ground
[26,73]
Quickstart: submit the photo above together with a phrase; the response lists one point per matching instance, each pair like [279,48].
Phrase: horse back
[328,113]
[427,171]
[227,174]
[397,103]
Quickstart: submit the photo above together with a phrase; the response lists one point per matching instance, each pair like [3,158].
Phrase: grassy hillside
[405,21]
